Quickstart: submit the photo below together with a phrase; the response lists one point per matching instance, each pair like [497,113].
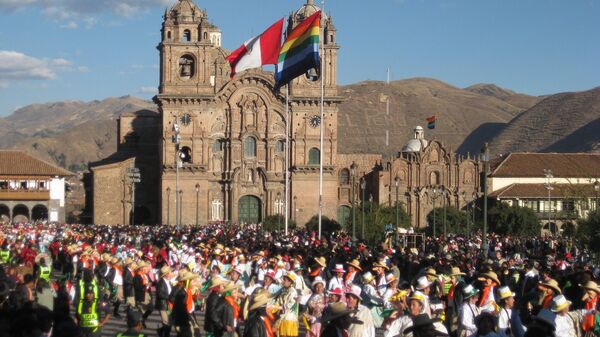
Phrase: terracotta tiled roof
[19,163]
[562,165]
[540,191]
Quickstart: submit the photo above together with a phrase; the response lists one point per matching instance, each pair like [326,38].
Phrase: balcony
[560,215]
[23,194]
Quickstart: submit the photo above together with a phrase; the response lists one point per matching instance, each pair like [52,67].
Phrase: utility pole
[486,159]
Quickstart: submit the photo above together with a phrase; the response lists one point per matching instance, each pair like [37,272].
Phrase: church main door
[249,209]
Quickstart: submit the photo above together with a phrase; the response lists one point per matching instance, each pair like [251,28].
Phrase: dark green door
[249,209]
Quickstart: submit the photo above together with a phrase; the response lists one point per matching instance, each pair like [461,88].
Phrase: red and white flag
[258,51]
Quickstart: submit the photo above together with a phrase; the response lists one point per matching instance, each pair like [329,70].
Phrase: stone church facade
[232,139]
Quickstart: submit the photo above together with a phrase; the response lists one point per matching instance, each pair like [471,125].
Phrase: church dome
[306,10]
[186,10]
[418,143]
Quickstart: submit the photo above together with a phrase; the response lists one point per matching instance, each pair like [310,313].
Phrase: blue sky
[53,50]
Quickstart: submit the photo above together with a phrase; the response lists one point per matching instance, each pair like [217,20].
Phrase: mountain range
[73,133]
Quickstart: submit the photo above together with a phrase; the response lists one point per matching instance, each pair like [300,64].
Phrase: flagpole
[287,156]
[322,122]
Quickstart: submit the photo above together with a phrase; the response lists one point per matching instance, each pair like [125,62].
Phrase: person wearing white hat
[362,313]
[370,292]
[468,312]
[391,289]
[315,306]
[509,322]
[567,322]
[338,280]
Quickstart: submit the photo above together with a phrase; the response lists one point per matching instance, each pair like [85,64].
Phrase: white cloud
[148,90]
[83,69]
[70,12]
[16,66]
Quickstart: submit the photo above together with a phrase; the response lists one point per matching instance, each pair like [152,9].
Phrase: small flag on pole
[431,122]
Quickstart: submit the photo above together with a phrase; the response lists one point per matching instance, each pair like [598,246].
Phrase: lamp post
[176,140]
[486,159]
[473,207]
[179,205]
[548,174]
[197,195]
[434,195]
[295,207]
[444,196]
[596,190]
[363,186]
[353,172]
[278,211]
[168,205]
[397,184]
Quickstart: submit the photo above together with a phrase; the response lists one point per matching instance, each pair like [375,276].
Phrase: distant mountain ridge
[73,133]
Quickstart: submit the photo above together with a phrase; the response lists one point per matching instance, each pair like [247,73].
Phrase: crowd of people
[71,280]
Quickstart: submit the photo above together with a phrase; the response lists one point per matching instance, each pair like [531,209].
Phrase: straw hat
[456,272]
[389,278]
[559,303]
[165,270]
[423,282]
[141,265]
[339,269]
[380,265]
[469,291]
[115,260]
[321,261]
[260,300]
[552,284]
[46,257]
[186,276]
[337,310]
[492,276]
[216,281]
[430,272]
[505,292]
[356,264]
[591,285]
[230,286]
[133,265]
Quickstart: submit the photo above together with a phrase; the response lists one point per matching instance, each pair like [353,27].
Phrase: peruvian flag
[258,51]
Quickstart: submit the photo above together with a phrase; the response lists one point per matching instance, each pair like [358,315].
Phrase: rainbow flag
[300,51]
[431,122]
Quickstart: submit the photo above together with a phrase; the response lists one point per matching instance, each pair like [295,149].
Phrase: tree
[457,221]
[327,225]
[376,218]
[588,231]
[513,220]
[276,222]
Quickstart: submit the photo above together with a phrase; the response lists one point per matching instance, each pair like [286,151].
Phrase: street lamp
[168,205]
[435,193]
[474,197]
[485,157]
[397,184]
[176,139]
[444,196]
[197,195]
[278,211]
[353,172]
[179,203]
[295,207]
[363,186]
[596,189]
[548,174]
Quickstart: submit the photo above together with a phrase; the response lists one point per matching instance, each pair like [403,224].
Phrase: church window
[434,178]
[314,156]
[216,210]
[168,35]
[187,35]
[186,66]
[205,35]
[280,146]
[219,145]
[250,147]
[331,38]
[185,154]
[345,177]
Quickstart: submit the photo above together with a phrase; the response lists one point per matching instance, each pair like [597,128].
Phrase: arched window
[186,66]
[250,147]
[280,146]
[168,35]
[434,178]
[187,35]
[345,177]
[314,156]
[185,154]
[331,38]
[205,35]
[218,146]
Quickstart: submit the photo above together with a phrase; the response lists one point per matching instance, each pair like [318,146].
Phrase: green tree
[457,221]
[588,231]
[276,222]
[376,218]
[513,220]
[327,225]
